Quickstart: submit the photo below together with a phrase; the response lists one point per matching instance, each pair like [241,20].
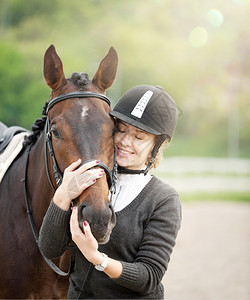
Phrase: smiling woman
[148,211]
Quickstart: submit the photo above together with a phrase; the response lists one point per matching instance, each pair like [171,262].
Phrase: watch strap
[103,265]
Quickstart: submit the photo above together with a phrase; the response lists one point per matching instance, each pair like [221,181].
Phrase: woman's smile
[123,152]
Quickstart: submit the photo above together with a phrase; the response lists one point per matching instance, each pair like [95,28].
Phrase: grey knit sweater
[143,240]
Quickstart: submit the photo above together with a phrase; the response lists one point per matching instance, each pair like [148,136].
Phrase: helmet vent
[141,105]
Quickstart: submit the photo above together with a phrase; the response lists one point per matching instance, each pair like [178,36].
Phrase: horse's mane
[80,80]
[36,128]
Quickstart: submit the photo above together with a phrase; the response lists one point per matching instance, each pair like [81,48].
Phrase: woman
[134,261]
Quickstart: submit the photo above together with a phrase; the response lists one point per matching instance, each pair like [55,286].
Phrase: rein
[33,225]
[111,176]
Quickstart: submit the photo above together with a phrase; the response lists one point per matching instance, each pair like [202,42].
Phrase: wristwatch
[103,265]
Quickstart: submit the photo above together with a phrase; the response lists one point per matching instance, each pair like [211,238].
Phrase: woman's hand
[88,245]
[85,241]
[75,181]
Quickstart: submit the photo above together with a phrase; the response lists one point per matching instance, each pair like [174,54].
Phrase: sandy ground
[211,259]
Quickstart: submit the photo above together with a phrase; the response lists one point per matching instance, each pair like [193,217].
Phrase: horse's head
[82,128]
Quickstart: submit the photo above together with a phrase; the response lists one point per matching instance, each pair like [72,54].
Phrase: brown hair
[160,152]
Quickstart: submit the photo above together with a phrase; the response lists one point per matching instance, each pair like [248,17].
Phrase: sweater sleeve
[54,234]
[151,262]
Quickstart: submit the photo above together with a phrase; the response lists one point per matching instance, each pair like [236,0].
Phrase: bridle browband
[79,94]
[111,176]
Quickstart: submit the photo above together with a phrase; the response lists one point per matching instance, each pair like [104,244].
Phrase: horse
[76,125]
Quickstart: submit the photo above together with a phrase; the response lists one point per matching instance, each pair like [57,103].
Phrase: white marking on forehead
[84,112]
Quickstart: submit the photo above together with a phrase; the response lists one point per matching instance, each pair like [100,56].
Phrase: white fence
[196,174]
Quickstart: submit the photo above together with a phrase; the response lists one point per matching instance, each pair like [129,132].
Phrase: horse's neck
[39,190]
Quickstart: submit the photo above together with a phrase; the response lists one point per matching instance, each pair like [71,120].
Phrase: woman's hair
[159,155]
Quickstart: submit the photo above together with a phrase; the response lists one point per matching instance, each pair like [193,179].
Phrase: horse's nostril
[113,216]
[84,213]
[81,208]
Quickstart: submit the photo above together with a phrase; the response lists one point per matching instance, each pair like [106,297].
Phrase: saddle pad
[11,152]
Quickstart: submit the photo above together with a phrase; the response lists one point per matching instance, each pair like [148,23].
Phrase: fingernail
[97,161]
[102,171]
[101,174]
[85,223]
[94,180]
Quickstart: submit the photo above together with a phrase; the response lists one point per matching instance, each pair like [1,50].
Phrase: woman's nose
[126,140]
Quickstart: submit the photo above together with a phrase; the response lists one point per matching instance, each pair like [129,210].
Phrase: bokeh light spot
[215,17]
[198,37]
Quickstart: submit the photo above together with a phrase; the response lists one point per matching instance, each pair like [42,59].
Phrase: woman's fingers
[89,176]
[87,184]
[73,166]
[77,183]
[90,180]
[88,165]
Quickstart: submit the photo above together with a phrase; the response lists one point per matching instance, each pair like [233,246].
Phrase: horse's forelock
[80,80]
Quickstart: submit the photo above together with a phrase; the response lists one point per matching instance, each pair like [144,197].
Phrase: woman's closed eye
[121,130]
[138,137]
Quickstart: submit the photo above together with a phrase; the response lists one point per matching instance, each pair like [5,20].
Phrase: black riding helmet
[151,109]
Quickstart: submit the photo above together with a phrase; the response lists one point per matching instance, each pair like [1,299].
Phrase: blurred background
[198,51]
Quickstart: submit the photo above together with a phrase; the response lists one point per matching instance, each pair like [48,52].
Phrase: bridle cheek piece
[111,176]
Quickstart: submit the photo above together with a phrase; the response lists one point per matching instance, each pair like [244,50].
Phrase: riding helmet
[149,108]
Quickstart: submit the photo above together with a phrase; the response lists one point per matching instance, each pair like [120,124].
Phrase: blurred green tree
[155,45]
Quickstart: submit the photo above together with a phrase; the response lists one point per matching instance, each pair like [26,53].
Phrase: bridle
[111,176]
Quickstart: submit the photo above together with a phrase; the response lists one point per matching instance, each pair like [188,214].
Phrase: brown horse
[78,126]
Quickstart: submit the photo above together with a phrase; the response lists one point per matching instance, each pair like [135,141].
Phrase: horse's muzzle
[101,220]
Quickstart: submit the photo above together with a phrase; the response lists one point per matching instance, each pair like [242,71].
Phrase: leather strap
[80,94]
[32,222]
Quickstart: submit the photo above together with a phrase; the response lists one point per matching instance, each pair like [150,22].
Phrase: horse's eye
[55,132]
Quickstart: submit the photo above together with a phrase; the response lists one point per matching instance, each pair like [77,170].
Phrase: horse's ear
[105,75]
[53,69]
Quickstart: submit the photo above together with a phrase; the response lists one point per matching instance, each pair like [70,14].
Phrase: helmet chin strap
[122,170]
[155,150]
